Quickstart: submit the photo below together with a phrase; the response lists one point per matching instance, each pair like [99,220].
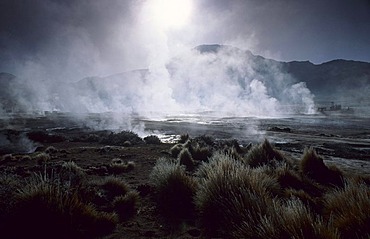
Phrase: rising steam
[221,79]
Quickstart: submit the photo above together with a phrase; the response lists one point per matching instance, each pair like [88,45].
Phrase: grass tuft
[349,207]
[186,159]
[231,193]
[126,205]
[312,165]
[174,190]
[175,150]
[114,187]
[118,166]
[41,158]
[263,154]
[46,208]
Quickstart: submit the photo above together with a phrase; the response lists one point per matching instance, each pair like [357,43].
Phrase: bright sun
[171,13]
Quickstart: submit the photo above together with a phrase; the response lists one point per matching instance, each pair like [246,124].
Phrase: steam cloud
[50,55]
[227,81]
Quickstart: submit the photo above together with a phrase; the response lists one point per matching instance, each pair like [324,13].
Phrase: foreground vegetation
[223,189]
[258,192]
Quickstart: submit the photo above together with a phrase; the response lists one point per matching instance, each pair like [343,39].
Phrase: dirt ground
[95,158]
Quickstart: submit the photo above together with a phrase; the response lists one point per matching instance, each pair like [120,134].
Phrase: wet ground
[341,139]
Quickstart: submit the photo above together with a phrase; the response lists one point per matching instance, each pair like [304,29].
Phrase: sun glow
[171,13]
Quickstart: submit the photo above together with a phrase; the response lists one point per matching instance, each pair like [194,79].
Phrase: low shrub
[44,137]
[174,190]
[152,139]
[119,139]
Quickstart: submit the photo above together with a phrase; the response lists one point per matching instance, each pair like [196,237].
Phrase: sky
[72,39]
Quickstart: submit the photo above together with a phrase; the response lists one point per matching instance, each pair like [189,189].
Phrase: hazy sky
[77,38]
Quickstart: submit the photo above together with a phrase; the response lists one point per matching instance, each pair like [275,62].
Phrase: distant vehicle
[334,108]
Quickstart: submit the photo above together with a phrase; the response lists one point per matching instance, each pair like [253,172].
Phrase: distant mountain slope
[337,77]
[331,80]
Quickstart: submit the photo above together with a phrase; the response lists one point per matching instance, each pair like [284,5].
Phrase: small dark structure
[335,108]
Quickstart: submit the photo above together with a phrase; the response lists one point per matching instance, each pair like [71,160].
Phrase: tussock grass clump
[201,153]
[174,189]
[45,208]
[175,150]
[41,158]
[118,166]
[26,158]
[183,138]
[73,173]
[126,205]
[313,203]
[186,159]
[231,193]
[114,187]
[152,139]
[290,178]
[127,143]
[313,166]
[9,183]
[262,154]
[51,150]
[7,158]
[288,219]
[349,207]
[205,140]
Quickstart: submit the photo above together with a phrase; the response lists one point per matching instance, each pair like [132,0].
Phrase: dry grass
[72,173]
[202,153]
[51,150]
[288,219]
[186,159]
[263,154]
[175,150]
[349,208]
[312,165]
[118,166]
[46,208]
[41,158]
[126,205]
[231,193]
[174,189]
[114,187]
